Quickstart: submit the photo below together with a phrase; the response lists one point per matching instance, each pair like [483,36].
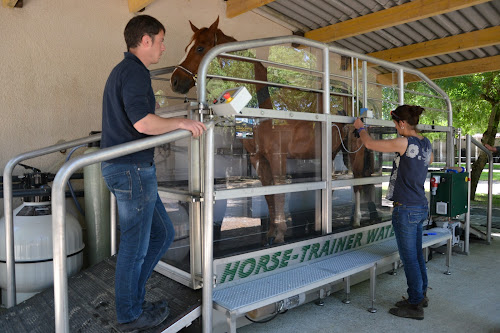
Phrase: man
[146,231]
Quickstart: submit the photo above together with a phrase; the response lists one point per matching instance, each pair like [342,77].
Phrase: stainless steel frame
[201,184]
[326,120]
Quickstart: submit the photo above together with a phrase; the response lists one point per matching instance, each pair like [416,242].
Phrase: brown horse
[272,143]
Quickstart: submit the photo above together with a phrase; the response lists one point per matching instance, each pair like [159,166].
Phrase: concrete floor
[468,300]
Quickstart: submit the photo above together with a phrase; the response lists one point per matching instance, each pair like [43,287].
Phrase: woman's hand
[358,124]
[490,148]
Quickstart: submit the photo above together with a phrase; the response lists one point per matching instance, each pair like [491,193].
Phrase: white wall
[56,56]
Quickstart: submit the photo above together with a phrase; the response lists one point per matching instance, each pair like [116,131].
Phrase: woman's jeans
[407,223]
[146,232]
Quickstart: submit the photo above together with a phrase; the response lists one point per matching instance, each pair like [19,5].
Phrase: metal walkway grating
[248,295]
[92,305]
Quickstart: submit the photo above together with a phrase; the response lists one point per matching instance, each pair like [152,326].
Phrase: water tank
[33,249]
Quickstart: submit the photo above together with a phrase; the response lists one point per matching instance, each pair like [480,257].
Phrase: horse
[272,143]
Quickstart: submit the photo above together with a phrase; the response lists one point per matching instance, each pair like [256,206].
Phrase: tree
[476,102]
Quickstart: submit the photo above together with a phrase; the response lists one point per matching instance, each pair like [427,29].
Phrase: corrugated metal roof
[307,15]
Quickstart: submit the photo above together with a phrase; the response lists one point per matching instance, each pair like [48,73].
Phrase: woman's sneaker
[412,311]
[425,302]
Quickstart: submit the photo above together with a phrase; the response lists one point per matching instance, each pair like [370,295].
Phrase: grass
[482,200]
[484,176]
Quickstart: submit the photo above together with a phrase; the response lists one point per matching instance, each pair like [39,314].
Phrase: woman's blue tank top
[409,172]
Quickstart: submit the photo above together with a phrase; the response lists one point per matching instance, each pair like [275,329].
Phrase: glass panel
[243,224]
[373,209]
[178,253]
[172,164]
[284,151]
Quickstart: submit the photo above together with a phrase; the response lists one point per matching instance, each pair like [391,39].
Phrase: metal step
[241,298]
[92,304]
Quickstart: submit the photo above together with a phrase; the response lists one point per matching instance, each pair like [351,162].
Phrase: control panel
[231,102]
[449,192]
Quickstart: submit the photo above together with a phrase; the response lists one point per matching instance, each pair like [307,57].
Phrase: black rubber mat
[92,304]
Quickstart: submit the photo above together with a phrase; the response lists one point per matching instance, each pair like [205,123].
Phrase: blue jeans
[407,223]
[146,232]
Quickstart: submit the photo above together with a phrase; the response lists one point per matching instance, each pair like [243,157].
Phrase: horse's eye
[200,49]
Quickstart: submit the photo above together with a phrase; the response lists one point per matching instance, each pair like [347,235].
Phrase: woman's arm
[397,145]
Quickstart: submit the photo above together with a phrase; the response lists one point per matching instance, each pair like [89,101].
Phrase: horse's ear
[193,27]
[215,25]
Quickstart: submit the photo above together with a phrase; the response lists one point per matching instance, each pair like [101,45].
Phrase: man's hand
[195,127]
[155,125]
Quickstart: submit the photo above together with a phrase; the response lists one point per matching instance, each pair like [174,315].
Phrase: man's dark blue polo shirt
[128,97]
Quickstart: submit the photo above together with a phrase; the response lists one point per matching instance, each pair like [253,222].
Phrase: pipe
[112,218]
[401,86]
[207,264]
[467,216]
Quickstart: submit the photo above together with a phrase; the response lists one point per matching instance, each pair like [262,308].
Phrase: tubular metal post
[207,264]
[373,281]
[401,86]
[365,83]
[8,214]
[467,216]
[459,134]
[353,84]
[112,215]
[326,147]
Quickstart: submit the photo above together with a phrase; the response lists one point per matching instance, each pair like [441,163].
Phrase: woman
[406,190]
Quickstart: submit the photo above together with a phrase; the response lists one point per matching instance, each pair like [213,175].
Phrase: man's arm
[155,125]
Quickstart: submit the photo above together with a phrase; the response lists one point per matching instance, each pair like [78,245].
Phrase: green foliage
[470,109]
[467,94]
[232,68]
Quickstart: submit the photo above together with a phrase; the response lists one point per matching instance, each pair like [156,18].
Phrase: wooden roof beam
[408,12]
[481,65]
[135,6]
[12,3]
[458,43]
[238,7]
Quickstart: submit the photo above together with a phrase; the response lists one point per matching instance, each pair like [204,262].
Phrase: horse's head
[184,76]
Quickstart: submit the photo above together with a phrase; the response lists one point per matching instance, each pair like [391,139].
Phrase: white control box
[442,208]
[231,102]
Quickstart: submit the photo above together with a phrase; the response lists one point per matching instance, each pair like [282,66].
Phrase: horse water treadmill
[282,189]
[285,182]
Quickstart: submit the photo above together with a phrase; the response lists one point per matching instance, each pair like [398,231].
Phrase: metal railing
[469,142]
[8,209]
[61,309]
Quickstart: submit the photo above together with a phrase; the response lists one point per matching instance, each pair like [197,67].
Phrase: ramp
[92,304]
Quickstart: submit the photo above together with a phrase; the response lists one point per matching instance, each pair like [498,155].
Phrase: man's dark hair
[139,26]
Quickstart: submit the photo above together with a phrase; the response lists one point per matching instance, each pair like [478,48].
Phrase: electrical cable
[342,142]
[279,310]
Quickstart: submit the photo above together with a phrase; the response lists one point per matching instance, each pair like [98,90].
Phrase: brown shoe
[412,311]
[425,302]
